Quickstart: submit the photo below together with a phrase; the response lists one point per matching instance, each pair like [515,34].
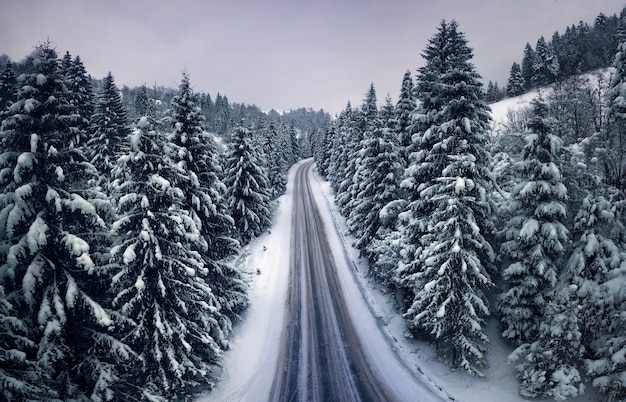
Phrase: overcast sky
[282,54]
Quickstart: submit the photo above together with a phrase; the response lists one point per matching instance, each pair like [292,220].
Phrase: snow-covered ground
[249,366]
[500,110]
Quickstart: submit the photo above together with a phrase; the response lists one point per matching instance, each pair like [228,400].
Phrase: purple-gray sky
[282,54]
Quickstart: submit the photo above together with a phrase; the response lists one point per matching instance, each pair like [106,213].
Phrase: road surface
[322,357]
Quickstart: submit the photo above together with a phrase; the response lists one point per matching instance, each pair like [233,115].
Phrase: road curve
[321,357]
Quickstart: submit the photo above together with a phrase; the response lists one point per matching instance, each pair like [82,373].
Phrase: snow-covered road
[310,334]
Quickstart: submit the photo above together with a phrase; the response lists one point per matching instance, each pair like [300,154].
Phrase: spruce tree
[536,236]
[81,94]
[247,187]
[447,270]
[52,290]
[160,285]
[195,152]
[367,120]
[546,64]
[380,170]
[516,84]
[8,88]
[527,65]
[404,109]
[340,150]
[109,129]
[143,104]
[548,367]
[276,162]
[614,141]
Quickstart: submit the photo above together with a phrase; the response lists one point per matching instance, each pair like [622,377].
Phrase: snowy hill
[501,109]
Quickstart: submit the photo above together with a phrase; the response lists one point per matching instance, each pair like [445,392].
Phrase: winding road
[322,356]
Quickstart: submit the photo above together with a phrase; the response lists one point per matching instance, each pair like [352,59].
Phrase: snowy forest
[461,221]
[122,220]
[124,214]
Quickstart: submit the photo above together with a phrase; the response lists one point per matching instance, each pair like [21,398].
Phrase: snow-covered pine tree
[548,367]
[53,291]
[404,109]
[247,187]
[613,147]
[81,94]
[546,64]
[8,88]
[594,257]
[160,284]
[527,65]
[536,236]
[277,163]
[449,301]
[339,154]
[366,121]
[109,129]
[516,84]
[194,151]
[324,150]
[144,106]
[293,146]
[380,170]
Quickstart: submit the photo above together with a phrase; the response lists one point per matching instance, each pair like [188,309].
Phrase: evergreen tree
[615,138]
[368,119]
[276,162]
[404,108]
[8,88]
[143,104]
[548,369]
[546,65]
[222,115]
[380,169]
[248,188]
[339,155]
[81,95]
[160,284]
[528,72]
[447,270]
[536,236]
[516,83]
[53,318]
[194,152]
[109,129]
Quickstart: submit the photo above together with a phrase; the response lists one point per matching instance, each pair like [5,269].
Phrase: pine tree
[48,276]
[528,61]
[380,170]
[367,121]
[248,188]
[615,136]
[404,108]
[595,256]
[546,64]
[448,268]
[340,150]
[548,369]
[109,128]
[160,284]
[276,162]
[536,236]
[195,154]
[81,94]
[8,88]
[516,84]
[143,104]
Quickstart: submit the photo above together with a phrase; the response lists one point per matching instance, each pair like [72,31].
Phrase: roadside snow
[250,364]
